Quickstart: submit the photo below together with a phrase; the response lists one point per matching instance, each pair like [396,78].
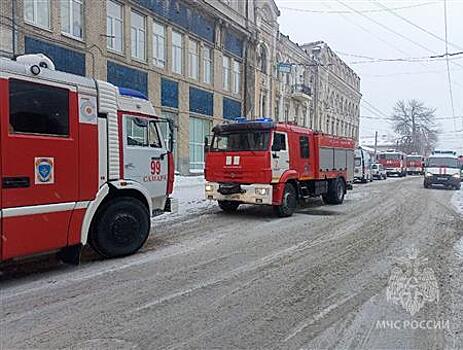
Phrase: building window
[199,129]
[32,113]
[159,45]
[207,65]
[263,105]
[37,12]
[193,59]
[114,24]
[177,52]
[226,73]
[138,35]
[263,59]
[72,18]
[236,77]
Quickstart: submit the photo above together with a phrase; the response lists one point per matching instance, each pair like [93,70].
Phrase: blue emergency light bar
[131,93]
[258,120]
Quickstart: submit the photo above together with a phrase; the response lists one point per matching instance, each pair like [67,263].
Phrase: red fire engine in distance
[394,162]
[266,163]
[415,164]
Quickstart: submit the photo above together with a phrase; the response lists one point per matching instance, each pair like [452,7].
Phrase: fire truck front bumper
[250,194]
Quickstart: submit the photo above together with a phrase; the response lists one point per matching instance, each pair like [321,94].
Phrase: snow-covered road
[210,280]
[457,201]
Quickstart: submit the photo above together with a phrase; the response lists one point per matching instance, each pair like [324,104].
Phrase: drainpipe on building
[13,31]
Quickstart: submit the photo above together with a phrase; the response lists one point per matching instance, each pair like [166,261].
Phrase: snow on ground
[457,201]
[189,192]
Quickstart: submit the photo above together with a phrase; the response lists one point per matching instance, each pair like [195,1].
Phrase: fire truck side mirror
[206,144]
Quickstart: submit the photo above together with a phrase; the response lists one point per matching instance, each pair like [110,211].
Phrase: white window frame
[139,33]
[177,53]
[236,77]
[111,23]
[193,59]
[208,63]
[34,21]
[72,17]
[226,73]
[159,41]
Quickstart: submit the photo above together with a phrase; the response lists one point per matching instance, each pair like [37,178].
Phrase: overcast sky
[352,34]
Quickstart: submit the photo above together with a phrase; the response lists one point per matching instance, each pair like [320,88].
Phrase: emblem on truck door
[44,170]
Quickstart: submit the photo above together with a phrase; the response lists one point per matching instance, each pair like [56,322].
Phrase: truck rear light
[170,173]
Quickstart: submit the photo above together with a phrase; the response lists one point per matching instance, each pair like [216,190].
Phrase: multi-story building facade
[337,92]
[200,62]
[186,56]
[307,85]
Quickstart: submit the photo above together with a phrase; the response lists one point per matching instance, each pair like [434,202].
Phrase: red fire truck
[80,160]
[394,162]
[415,164]
[262,162]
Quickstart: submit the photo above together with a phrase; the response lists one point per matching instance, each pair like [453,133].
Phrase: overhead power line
[391,11]
[372,117]
[411,59]
[350,12]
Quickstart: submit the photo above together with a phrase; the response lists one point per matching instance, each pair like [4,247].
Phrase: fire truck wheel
[121,227]
[229,206]
[336,192]
[289,203]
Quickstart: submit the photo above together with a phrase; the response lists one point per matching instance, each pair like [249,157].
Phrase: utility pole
[376,142]
[414,144]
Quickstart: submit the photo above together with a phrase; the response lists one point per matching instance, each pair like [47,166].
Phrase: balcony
[301,92]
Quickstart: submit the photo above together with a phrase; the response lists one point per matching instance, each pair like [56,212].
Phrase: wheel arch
[109,192]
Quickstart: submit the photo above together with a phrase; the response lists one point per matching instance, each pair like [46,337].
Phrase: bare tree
[415,126]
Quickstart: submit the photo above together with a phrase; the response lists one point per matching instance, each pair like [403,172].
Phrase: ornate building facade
[200,62]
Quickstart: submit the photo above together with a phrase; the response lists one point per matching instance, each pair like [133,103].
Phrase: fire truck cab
[267,163]
[394,162]
[81,161]
[415,164]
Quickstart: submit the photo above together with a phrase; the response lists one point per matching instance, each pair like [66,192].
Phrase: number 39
[155,167]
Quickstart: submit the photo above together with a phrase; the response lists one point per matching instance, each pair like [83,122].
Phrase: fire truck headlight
[262,191]
[456,175]
[428,174]
[209,188]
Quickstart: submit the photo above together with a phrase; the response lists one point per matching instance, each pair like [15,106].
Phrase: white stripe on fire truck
[43,209]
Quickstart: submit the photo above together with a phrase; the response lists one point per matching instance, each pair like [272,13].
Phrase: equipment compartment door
[39,166]
[145,156]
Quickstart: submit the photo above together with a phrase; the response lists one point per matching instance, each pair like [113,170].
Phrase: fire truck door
[145,156]
[39,166]
[280,156]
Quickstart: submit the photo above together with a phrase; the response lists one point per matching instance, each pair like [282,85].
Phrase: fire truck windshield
[443,162]
[390,156]
[241,140]
[414,158]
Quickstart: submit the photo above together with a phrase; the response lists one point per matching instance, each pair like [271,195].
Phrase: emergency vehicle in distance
[262,162]
[443,168]
[362,165]
[415,164]
[82,161]
[394,162]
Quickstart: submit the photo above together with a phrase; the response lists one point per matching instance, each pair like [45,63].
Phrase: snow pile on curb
[457,201]
[189,192]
